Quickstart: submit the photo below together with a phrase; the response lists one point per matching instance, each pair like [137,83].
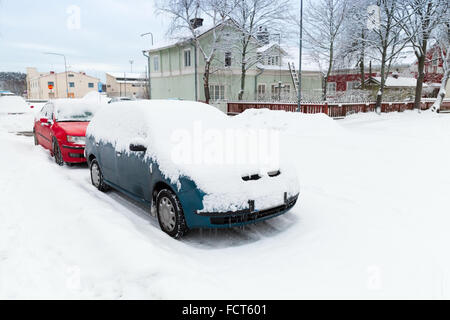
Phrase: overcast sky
[103,37]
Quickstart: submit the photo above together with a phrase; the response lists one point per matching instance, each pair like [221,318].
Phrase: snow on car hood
[229,160]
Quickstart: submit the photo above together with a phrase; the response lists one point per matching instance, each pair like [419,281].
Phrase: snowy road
[372,222]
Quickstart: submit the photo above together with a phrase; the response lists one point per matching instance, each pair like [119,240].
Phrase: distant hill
[14,82]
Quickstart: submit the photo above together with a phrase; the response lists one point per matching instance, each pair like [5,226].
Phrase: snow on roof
[73,109]
[400,82]
[181,37]
[128,75]
[201,143]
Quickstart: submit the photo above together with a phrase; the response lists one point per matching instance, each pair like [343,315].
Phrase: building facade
[176,72]
[125,84]
[51,85]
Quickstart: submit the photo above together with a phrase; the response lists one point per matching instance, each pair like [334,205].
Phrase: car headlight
[77,140]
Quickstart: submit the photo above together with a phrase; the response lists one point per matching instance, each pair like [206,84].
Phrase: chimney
[196,23]
[262,35]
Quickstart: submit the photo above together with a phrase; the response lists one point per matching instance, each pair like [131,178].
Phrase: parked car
[130,147]
[121,99]
[60,127]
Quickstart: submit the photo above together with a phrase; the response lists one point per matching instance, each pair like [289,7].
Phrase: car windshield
[75,112]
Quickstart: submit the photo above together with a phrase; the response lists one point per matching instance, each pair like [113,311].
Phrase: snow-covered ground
[373,221]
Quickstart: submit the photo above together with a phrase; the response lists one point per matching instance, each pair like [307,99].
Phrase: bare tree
[387,38]
[443,41]
[418,19]
[323,22]
[183,15]
[251,16]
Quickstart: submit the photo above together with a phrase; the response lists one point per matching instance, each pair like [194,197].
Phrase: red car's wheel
[57,153]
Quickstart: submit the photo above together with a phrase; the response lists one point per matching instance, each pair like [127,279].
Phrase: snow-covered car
[147,150]
[121,99]
[60,127]
[13,105]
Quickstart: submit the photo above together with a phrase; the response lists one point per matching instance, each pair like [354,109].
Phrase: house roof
[400,82]
[128,75]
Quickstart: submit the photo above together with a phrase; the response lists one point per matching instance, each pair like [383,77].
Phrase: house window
[156,63]
[287,88]
[187,58]
[352,85]
[71,75]
[227,59]
[217,92]
[331,87]
[72,84]
[261,89]
[90,84]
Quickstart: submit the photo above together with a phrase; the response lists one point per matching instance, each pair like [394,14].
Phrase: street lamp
[131,63]
[148,61]
[65,68]
[299,98]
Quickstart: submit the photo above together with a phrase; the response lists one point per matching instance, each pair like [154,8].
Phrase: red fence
[333,110]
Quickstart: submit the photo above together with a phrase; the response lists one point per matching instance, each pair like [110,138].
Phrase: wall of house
[119,89]
[173,80]
[38,87]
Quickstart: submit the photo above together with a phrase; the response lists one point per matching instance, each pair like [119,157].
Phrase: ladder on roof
[294,76]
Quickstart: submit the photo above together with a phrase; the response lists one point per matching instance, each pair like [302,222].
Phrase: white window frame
[351,85]
[185,64]
[212,92]
[156,64]
[262,85]
[329,85]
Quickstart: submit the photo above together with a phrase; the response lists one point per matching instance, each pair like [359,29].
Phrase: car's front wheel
[97,177]
[170,214]
[57,154]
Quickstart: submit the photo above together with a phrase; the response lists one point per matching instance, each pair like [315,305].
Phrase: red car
[61,128]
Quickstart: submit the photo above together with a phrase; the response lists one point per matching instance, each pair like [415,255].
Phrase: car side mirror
[138,147]
[43,120]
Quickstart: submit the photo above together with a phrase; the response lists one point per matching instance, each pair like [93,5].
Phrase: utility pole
[65,69]
[299,107]
[148,61]
[131,64]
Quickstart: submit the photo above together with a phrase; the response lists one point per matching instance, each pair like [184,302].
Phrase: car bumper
[246,216]
[73,153]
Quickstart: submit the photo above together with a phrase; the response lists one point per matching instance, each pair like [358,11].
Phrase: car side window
[43,113]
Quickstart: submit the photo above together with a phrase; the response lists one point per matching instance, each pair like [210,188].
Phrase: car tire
[36,142]
[57,153]
[97,176]
[170,214]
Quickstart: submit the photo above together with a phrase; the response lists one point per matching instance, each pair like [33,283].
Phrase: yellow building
[51,85]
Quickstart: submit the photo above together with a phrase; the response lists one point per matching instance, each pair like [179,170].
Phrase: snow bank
[13,104]
[290,122]
[198,141]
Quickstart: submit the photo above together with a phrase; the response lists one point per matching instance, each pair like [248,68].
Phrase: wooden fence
[334,110]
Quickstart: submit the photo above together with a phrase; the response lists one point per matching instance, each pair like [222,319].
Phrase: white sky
[106,38]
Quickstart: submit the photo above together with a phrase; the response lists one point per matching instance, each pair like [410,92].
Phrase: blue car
[137,149]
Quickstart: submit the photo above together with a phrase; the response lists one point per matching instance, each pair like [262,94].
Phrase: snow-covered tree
[443,42]
[184,13]
[323,25]
[386,39]
[418,19]
[252,16]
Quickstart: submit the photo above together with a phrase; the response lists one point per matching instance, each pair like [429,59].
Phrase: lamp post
[148,61]
[65,68]
[299,98]
[131,64]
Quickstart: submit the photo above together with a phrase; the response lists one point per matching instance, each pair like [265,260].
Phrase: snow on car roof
[13,104]
[75,109]
[198,141]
